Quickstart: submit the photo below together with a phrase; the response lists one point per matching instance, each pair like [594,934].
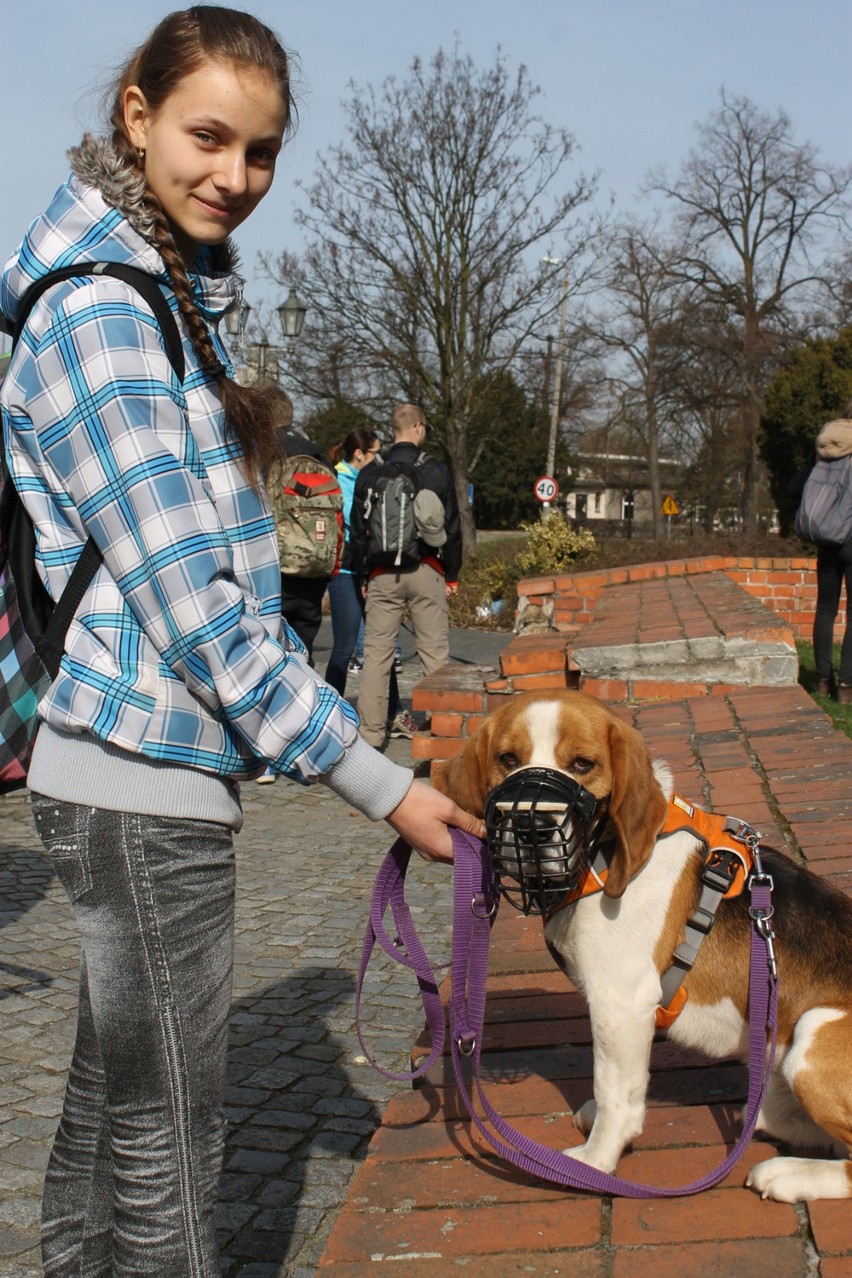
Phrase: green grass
[841,716]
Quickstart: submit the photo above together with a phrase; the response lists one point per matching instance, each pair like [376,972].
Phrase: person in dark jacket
[422,589]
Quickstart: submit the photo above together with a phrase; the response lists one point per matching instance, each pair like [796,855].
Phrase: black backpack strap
[49,639]
[141,281]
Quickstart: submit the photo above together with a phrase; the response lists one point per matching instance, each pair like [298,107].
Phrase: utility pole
[557,389]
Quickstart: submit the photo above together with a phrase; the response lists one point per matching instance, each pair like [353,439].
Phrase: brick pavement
[431,1192]
[302,1102]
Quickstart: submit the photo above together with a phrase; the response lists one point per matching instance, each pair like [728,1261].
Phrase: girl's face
[360,457]
[210,149]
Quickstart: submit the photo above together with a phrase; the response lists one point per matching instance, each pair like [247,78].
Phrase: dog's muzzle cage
[543,829]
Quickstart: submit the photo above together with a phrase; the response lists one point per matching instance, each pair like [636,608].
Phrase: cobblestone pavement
[302,1100]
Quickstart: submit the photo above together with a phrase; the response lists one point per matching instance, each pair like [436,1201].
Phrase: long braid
[199,334]
[181,41]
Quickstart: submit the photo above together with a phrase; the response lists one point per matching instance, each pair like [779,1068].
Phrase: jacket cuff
[369,781]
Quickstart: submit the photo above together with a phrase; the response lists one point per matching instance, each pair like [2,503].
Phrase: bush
[486,593]
[488,585]
[553,546]
[490,577]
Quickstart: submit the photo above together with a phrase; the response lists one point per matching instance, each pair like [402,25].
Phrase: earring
[140,156]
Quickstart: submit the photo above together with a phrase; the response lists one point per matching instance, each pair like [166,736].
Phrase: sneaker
[267,778]
[404,725]
[355,666]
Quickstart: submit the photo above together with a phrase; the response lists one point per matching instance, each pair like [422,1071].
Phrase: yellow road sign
[669,507]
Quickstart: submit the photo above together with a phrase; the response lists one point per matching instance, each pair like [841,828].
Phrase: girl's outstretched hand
[424,817]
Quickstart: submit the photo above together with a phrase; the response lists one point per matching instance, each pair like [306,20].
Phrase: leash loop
[480,909]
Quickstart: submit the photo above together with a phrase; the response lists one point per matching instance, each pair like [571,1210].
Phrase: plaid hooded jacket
[177,651]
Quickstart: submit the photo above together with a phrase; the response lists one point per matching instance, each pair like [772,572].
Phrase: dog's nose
[535,822]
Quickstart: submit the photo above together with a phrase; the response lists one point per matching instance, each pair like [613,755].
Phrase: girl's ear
[637,806]
[465,777]
[136,116]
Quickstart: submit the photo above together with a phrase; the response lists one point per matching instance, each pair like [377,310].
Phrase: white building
[615,488]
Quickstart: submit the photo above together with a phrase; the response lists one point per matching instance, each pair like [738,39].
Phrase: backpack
[32,629]
[825,511]
[307,506]
[390,516]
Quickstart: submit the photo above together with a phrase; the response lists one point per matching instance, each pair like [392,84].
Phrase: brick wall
[787,586]
[457,700]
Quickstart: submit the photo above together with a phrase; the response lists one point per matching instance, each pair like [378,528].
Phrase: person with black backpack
[824,517]
[406,542]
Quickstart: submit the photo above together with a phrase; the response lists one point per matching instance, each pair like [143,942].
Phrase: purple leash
[474,909]
[389,890]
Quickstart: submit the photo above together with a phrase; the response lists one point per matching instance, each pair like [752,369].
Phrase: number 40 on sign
[545,489]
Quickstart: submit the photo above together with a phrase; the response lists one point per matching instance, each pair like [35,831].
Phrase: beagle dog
[615,944]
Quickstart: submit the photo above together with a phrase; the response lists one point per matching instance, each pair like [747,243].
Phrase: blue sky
[630,78]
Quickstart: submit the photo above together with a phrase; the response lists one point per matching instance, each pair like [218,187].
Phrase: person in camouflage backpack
[302,596]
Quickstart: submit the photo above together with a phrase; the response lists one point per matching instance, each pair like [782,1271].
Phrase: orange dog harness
[728,862]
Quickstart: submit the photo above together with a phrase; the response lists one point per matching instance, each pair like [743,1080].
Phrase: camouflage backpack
[307,506]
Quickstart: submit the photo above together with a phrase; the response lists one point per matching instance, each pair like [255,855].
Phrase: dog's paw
[793,1180]
[591,1157]
[584,1117]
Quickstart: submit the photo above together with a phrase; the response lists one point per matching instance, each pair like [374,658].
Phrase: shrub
[553,546]
[487,591]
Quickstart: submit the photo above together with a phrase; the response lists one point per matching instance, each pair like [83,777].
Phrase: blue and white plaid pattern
[177,650]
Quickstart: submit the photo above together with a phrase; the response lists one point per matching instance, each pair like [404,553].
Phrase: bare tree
[427,232]
[754,209]
[640,325]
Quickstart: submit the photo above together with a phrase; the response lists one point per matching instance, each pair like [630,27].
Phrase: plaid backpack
[32,630]
[307,505]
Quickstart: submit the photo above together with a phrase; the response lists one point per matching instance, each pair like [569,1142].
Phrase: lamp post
[557,388]
[291,317]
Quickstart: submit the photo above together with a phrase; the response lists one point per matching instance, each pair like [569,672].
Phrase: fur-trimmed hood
[835,439]
[99,215]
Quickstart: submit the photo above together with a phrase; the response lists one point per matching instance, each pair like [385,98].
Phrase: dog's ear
[465,777]
[637,806]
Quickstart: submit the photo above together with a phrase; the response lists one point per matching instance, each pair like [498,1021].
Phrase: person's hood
[835,439]
[99,215]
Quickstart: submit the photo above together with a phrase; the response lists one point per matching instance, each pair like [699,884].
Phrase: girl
[178,680]
[344,590]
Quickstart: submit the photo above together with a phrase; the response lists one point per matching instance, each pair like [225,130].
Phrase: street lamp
[236,320]
[291,316]
[557,389]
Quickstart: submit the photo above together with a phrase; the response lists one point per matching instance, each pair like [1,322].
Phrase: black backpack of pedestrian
[389,515]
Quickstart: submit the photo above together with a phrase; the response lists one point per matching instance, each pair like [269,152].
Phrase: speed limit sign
[545,488]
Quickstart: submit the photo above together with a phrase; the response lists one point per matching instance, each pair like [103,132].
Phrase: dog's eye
[581,765]
[509,761]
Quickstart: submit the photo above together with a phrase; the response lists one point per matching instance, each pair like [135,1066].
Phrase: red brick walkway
[432,1199]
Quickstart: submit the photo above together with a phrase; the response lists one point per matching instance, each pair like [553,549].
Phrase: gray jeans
[132,1180]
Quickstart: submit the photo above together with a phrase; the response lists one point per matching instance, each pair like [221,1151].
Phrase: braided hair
[181,43]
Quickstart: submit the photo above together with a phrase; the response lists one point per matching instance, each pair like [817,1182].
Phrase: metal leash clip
[762,915]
